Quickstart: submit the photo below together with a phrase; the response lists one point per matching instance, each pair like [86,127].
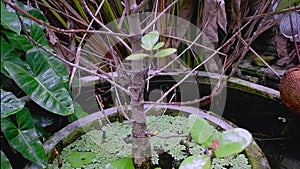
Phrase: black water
[273,126]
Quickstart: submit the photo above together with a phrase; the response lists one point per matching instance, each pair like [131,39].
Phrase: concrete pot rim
[77,128]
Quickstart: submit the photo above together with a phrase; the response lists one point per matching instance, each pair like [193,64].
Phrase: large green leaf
[9,20]
[41,82]
[233,141]
[5,164]
[7,52]
[24,137]
[60,69]
[196,162]
[18,41]
[200,129]
[34,12]
[124,163]
[10,104]
[37,34]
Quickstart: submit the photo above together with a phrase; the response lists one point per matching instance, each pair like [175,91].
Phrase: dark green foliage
[37,73]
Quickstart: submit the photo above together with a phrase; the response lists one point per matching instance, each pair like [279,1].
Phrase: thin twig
[260,58]
[100,105]
[198,66]
[140,6]
[161,14]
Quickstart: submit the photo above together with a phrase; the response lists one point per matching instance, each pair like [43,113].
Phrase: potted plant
[218,144]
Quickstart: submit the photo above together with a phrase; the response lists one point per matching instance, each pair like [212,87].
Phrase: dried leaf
[221,15]
[209,21]
[239,10]
[282,50]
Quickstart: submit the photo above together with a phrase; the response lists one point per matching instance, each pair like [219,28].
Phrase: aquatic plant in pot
[194,131]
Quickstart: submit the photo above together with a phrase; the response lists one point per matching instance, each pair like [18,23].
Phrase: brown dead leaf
[221,15]
[239,10]
[213,16]
[281,45]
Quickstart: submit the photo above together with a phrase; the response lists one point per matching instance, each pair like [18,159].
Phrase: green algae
[105,143]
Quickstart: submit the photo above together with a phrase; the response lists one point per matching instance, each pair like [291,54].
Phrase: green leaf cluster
[37,73]
[150,43]
[227,143]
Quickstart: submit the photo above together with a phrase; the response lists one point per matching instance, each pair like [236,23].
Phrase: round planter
[256,157]
[74,130]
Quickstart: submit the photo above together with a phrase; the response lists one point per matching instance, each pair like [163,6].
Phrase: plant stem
[140,141]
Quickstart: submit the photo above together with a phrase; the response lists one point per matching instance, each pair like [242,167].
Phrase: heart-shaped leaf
[196,162]
[165,52]
[41,82]
[200,129]
[233,141]
[33,11]
[10,104]
[19,42]
[9,20]
[137,56]
[124,163]
[149,40]
[24,137]
[37,34]
[79,159]
[5,164]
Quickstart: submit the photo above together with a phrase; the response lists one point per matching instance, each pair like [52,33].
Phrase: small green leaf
[165,52]
[10,104]
[79,159]
[233,142]
[287,3]
[196,162]
[5,164]
[124,163]
[9,20]
[149,40]
[215,136]
[200,129]
[137,56]
[24,137]
[158,45]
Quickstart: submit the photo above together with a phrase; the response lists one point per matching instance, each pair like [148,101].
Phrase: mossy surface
[106,144]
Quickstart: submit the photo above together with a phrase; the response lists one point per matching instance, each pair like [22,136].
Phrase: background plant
[39,76]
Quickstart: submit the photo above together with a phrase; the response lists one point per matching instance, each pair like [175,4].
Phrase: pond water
[274,128]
